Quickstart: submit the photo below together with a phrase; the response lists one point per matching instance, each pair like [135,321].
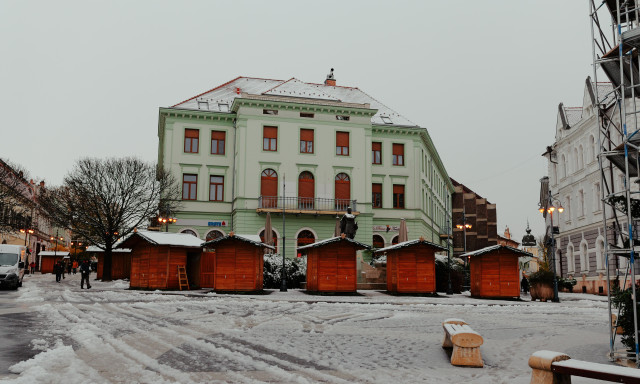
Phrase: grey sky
[86,78]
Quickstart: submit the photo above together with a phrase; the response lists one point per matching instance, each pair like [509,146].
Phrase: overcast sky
[86,78]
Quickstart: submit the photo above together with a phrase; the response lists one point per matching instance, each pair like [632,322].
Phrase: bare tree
[103,200]
[16,198]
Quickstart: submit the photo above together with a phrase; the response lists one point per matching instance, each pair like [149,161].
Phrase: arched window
[592,149]
[213,234]
[563,167]
[305,237]
[306,190]
[394,241]
[557,261]
[584,257]
[275,238]
[571,261]
[378,241]
[342,191]
[190,232]
[600,263]
[269,188]
[580,157]
[575,160]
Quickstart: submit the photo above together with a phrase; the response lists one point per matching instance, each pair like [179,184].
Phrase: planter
[542,291]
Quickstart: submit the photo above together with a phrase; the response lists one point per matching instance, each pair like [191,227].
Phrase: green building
[252,146]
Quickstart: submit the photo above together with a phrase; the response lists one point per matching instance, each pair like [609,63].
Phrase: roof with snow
[54,253]
[221,98]
[334,240]
[94,248]
[496,248]
[163,238]
[251,239]
[411,243]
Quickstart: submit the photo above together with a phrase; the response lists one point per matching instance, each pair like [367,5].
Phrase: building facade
[255,146]
[575,183]
[475,221]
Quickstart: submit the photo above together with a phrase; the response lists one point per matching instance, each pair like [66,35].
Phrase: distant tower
[507,233]
[528,240]
[330,79]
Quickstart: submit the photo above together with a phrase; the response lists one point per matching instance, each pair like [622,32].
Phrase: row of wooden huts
[235,263]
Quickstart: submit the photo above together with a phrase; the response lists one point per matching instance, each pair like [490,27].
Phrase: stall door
[407,274]
[346,271]
[140,270]
[207,269]
[509,280]
[490,275]
[245,270]
[327,271]
[425,272]
[225,266]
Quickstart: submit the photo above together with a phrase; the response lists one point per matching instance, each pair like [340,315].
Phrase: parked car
[12,259]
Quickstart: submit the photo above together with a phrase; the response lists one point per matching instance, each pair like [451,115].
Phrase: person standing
[63,268]
[85,270]
[57,269]
[524,284]
[75,266]
[32,268]
[69,267]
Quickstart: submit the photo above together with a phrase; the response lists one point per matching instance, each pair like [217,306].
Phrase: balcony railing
[316,205]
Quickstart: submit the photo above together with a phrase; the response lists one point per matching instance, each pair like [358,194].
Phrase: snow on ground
[111,334]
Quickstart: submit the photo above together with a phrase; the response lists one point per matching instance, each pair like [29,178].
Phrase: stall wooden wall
[411,270]
[120,265]
[47,263]
[495,274]
[332,268]
[234,266]
[156,267]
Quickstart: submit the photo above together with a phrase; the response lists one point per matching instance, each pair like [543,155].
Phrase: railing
[306,203]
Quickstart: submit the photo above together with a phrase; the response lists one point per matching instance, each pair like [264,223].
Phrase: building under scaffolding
[615,35]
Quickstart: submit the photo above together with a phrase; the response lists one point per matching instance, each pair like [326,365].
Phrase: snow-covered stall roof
[251,239]
[163,238]
[334,240]
[221,98]
[410,243]
[495,248]
[54,253]
[93,248]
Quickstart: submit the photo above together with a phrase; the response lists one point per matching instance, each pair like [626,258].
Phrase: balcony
[306,205]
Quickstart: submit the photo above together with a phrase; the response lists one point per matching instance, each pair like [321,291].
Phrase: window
[342,191]
[306,190]
[224,107]
[305,237]
[581,202]
[203,105]
[306,141]
[216,188]
[386,119]
[307,115]
[217,142]
[190,232]
[378,241]
[212,235]
[398,196]
[270,138]
[376,199]
[191,140]
[273,235]
[394,241]
[398,154]
[376,153]
[342,117]
[269,188]
[189,184]
[269,111]
[592,149]
[342,143]
[596,196]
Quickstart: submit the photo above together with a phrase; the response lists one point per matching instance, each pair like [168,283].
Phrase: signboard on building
[383,228]
[202,223]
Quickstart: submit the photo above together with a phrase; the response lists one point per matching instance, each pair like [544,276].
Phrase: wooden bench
[465,343]
[550,367]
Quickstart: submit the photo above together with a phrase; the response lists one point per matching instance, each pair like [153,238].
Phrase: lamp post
[449,288]
[550,209]
[55,247]
[464,226]
[167,221]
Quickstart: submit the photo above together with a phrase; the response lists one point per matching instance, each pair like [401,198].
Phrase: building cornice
[302,104]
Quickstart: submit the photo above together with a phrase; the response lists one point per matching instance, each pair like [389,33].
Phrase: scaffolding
[615,45]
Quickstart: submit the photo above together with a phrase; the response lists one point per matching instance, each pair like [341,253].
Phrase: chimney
[507,233]
[330,79]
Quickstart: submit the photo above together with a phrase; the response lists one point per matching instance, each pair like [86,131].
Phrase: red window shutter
[377,146]
[269,183]
[192,133]
[342,139]
[398,149]
[343,187]
[377,188]
[218,135]
[306,134]
[398,188]
[306,185]
[270,132]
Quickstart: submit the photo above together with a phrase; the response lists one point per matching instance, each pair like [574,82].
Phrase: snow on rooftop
[494,248]
[167,238]
[333,240]
[253,239]
[93,248]
[217,99]
[54,253]
[408,244]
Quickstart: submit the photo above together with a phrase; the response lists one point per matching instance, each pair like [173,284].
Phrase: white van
[12,259]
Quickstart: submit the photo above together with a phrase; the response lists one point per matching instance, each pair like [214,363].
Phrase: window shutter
[192,133]
[271,132]
[398,149]
[306,134]
[377,146]
[218,135]
[377,188]
[342,139]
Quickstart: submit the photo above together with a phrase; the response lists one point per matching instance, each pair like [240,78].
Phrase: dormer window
[307,115]
[342,117]
[269,111]
[386,119]
[203,105]
[224,107]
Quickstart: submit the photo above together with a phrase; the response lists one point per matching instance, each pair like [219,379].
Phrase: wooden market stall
[495,271]
[233,263]
[411,266]
[120,262]
[49,258]
[156,256]
[331,264]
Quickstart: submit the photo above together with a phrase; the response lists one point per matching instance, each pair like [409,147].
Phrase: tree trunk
[106,268]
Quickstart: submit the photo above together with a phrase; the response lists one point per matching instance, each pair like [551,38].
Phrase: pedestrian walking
[68,267]
[57,269]
[63,268]
[524,284]
[75,266]
[32,268]
[85,270]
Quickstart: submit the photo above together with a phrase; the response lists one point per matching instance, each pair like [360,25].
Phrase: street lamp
[167,221]
[550,209]
[464,226]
